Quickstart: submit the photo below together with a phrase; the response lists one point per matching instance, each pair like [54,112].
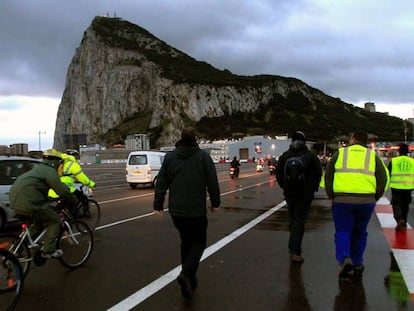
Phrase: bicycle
[88,209]
[75,239]
[11,280]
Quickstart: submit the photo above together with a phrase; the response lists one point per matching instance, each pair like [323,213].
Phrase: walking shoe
[358,270]
[186,289]
[55,254]
[400,225]
[296,258]
[346,269]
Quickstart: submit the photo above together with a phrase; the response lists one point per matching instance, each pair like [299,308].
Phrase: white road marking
[147,291]
[403,256]
[152,213]
[152,193]
[405,260]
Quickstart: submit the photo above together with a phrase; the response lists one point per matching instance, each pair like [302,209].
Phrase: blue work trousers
[351,221]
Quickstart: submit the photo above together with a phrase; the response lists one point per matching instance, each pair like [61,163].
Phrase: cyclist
[29,198]
[72,172]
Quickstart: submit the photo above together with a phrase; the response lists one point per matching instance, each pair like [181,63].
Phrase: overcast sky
[357,50]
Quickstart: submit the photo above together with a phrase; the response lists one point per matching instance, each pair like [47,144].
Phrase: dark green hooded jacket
[188,173]
[30,190]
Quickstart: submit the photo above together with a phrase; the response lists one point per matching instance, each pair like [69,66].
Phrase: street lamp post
[40,144]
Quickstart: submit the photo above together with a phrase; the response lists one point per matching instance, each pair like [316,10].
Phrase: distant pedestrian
[188,172]
[298,172]
[402,184]
[355,178]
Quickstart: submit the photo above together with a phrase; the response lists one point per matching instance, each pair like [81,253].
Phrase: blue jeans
[351,221]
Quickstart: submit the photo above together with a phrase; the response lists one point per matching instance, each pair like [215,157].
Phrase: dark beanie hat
[403,148]
[298,135]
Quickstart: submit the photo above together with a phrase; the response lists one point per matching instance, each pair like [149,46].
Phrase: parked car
[10,168]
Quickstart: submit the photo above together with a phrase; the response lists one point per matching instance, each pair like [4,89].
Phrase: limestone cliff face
[119,72]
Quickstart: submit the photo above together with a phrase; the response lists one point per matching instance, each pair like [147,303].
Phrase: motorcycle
[272,169]
[234,172]
[259,168]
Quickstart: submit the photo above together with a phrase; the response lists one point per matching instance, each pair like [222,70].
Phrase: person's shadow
[351,296]
[296,299]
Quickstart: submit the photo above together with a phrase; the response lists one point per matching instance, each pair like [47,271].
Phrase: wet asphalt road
[248,271]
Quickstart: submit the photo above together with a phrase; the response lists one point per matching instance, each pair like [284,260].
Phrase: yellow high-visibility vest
[402,172]
[72,172]
[355,170]
[322,182]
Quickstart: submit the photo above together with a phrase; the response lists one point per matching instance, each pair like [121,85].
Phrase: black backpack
[294,170]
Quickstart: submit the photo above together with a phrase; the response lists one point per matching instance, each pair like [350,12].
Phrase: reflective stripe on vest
[402,173]
[66,170]
[355,171]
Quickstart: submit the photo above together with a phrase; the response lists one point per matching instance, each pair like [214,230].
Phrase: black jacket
[187,172]
[313,172]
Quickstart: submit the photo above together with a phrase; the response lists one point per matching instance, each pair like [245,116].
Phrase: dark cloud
[355,50]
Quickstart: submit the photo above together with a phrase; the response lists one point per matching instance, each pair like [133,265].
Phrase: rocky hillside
[123,80]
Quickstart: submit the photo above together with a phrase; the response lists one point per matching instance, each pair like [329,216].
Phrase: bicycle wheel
[18,248]
[90,213]
[76,242]
[11,280]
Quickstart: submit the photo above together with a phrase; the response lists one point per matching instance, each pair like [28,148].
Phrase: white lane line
[152,193]
[112,224]
[126,198]
[387,220]
[166,209]
[405,260]
[153,287]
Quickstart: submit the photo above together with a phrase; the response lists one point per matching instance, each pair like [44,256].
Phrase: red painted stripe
[387,209]
[402,240]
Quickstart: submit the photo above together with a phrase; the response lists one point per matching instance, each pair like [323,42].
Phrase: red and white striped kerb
[401,243]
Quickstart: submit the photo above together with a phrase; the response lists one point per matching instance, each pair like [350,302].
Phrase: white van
[143,166]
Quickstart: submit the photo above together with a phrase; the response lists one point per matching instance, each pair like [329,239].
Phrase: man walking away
[402,184]
[355,178]
[298,172]
[188,172]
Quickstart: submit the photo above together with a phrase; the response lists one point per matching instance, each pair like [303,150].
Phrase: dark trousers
[193,234]
[46,217]
[351,221]
[400,201]
[298,211]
